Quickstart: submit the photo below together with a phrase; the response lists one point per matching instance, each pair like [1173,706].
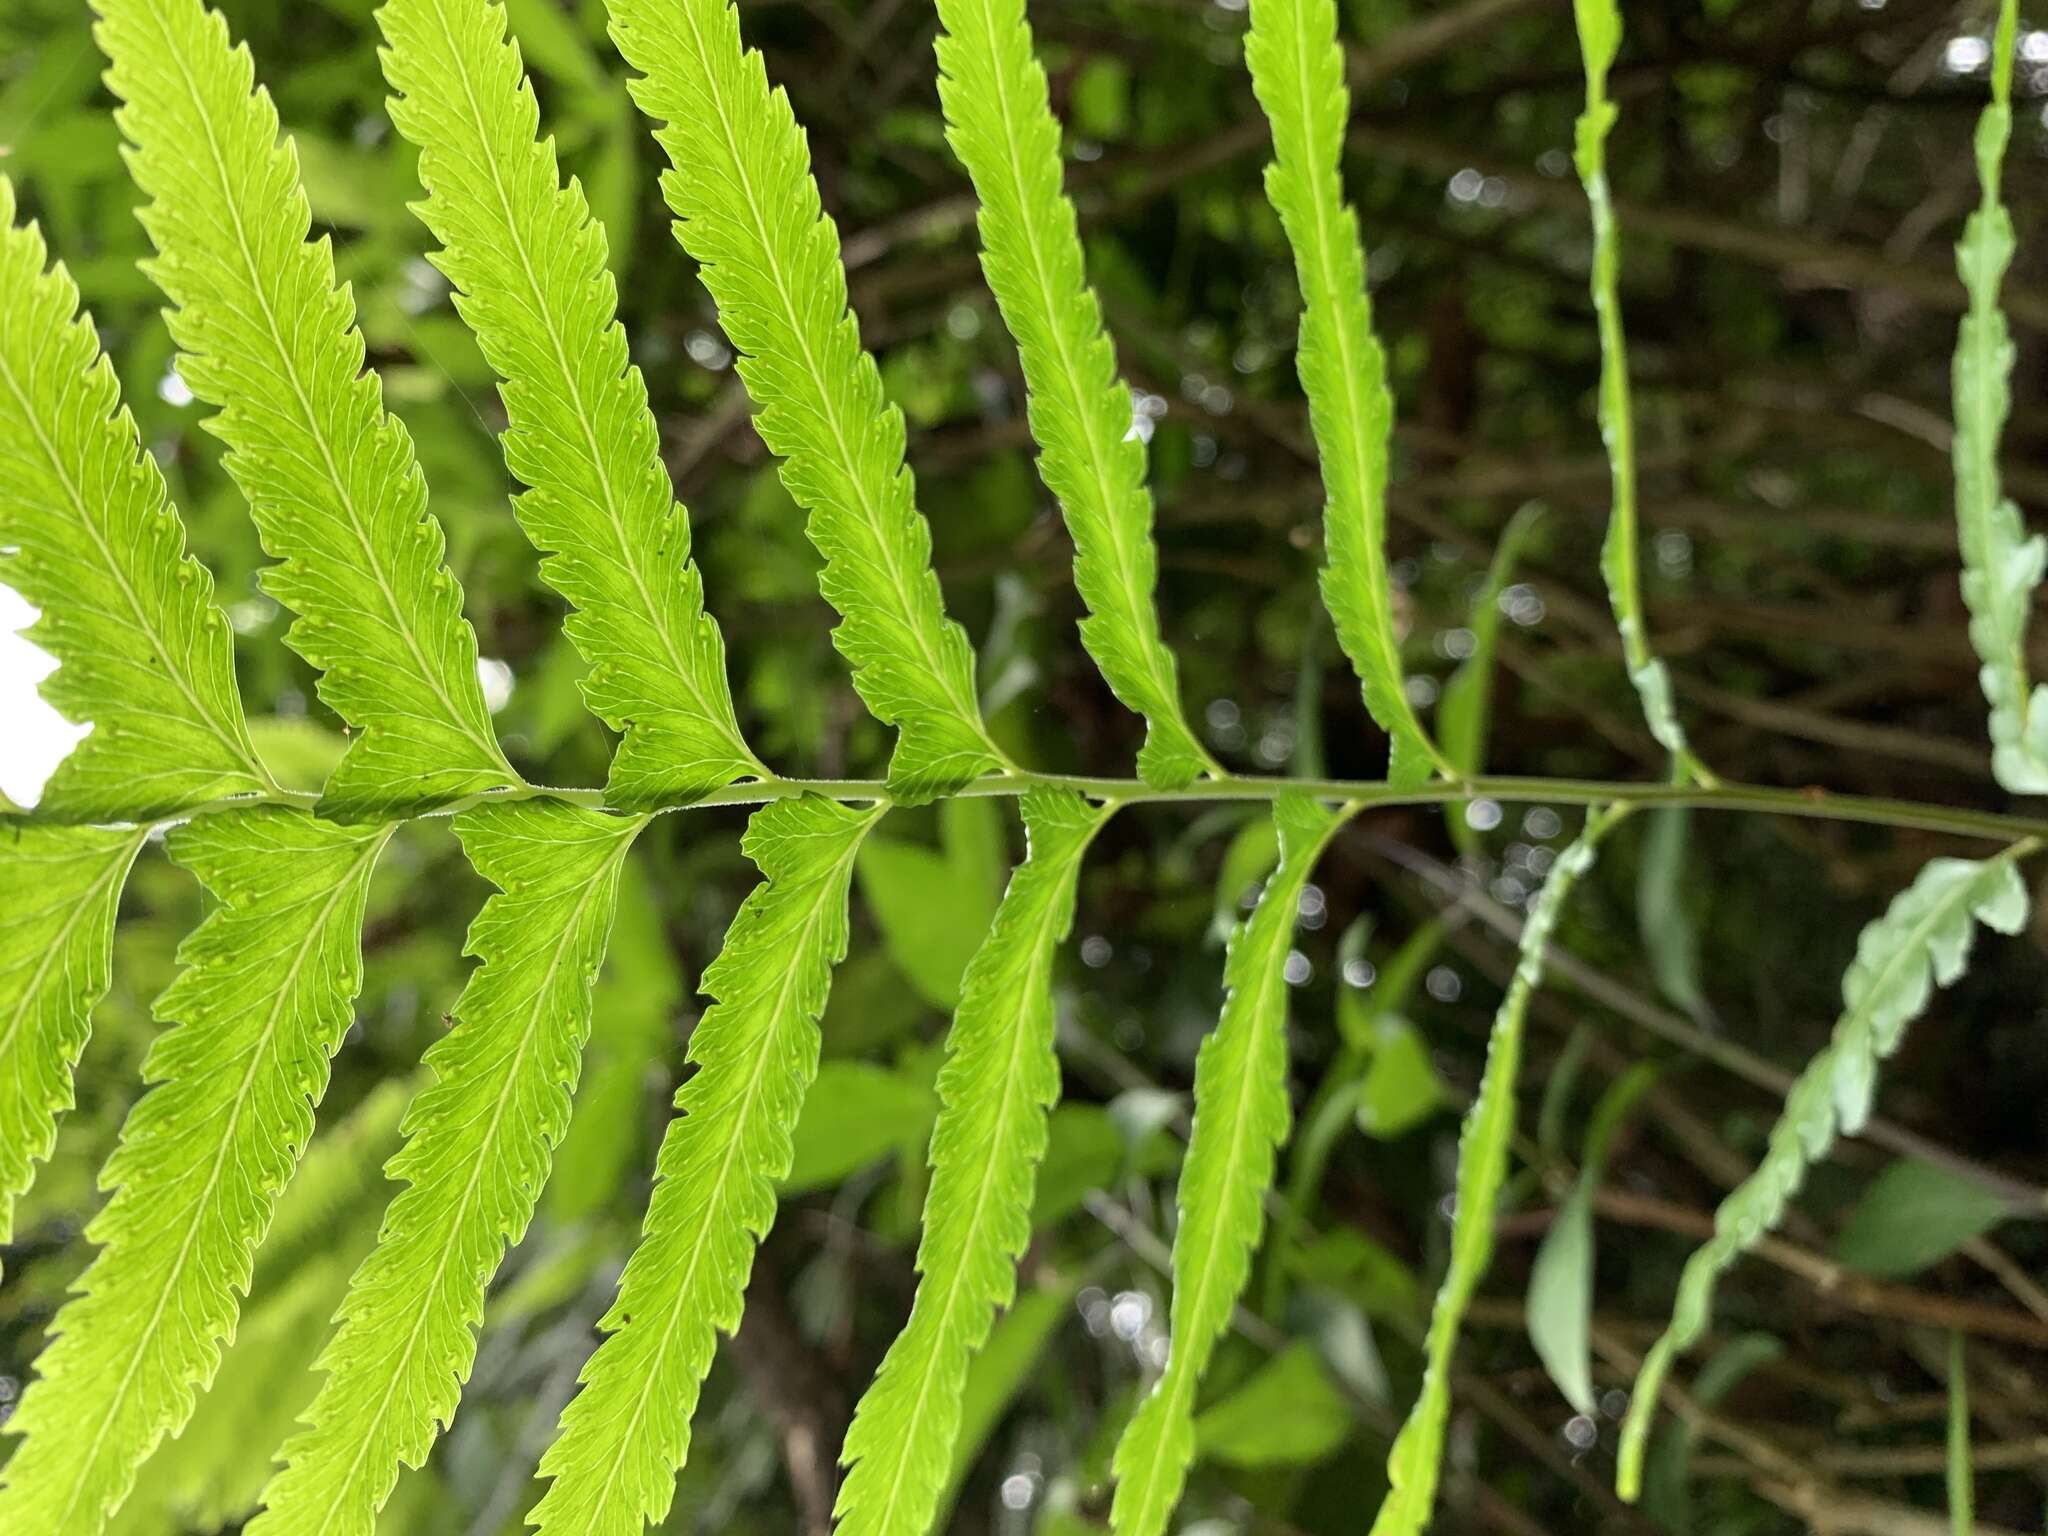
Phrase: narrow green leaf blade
[265,334]
[528,263]
[755,1050]
[1241,1116]
[477,1149]
[2001,565]
[1297,70]
[261,1003]
[1464,715]
[999,1083]
[1915,1214]
[747,208]
[59,888]
[1414,1463]
[1000,123]
[1962,1494]
[1560,1305]
[1922,941]
[88,534]
[1599,24]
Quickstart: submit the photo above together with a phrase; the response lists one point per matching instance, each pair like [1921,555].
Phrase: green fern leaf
[747,209]
[1599,24]
[261,1003]
[59,887]
[88,534]
[266,335]
[1297,70]
[528,264]
[755,1050]
[1417,1454]
[1000,1081]
[1922,941]
[1241,1116]
[2001,565]
[478,1142]
[999,121]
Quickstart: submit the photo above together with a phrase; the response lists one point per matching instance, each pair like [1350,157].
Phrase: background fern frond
[1599,24]
[1416,1459]
[1241,1117]
[2002,565]
[1000,123]
[265,335]
[209,1477]
[260,1006]
[1000,1080]
[1297,70]
[747,208]
[88,534]
[59,888]
[1921,942]
[627,1431]
[477,1147]
[528,264]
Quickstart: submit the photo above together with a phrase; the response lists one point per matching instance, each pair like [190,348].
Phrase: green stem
[1811,803]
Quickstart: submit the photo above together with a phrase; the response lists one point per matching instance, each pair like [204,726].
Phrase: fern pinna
[201,1209]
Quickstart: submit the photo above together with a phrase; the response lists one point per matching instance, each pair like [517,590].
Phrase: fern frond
[626,1433]
[527,262]
[261,1003]
[265,335]
[477,1147]
[1414,1462]
[1921,942]
[999,121]
[747,208]
[88,534]
[209,1476]
[2001,565]
[59,888]
[1297,70]
[1599,24]
[1000,1080]
[1241,1116]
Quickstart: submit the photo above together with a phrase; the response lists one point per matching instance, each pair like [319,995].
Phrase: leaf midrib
[1163,703]
[465,727]
[826,886]
[653,616]
[965,711]
[962,1263]
[314,932]
[566,936]
[241,750]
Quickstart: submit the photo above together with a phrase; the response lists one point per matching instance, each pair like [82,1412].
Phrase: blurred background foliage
[1791,175]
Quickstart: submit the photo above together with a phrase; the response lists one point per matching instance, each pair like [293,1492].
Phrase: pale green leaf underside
[527,261]
[2001,565]
[1297,70]
[755,1050]
[1414,1462]
[59,888]
[90,538]
[265,335]
[259,1006]
[999,1083]
[1921,942]
[999,121]
[1241,1117]
[477,1149]
[747,209]
[1599,24]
